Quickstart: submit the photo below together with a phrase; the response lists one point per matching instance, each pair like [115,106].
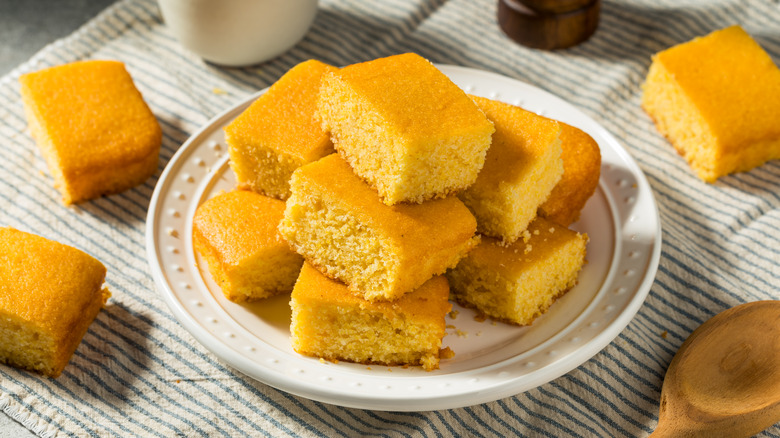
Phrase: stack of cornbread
[430,188]
[375,220]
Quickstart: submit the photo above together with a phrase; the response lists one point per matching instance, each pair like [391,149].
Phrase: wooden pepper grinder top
[549,24]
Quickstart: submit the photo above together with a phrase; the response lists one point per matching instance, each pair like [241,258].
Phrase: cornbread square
[404,127]
[581,170]
[279,132]
[517,283]
[331,322]
[522,166]
[716,99]
[93,128]
[235,232]
[49,295]
[337,222]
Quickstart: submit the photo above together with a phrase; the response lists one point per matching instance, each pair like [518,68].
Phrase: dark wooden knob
[549,24]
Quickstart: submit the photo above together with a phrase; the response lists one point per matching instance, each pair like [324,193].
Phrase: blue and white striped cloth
[139,373]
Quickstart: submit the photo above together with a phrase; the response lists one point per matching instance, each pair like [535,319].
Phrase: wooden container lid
[549,24]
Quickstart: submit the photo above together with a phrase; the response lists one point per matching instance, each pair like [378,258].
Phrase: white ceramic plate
[492,360]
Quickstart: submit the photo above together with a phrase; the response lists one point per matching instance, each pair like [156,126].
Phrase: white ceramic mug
[238,32]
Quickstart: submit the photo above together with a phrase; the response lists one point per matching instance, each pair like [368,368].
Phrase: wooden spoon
[725,379]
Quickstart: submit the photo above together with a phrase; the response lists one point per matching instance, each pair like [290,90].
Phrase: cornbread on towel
[331,322]
[519,282]
[279,132]
[522,166]
[404,127]
[93,128]
[236,233]
[581,170]
[49,295]
[337,222]
[716,99]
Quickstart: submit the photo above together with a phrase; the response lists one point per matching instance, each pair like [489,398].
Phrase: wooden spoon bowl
[725,379]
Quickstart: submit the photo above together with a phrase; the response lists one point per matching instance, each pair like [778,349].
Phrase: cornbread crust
[581,171]
[404,127]
[235,232]
[49,295]
[519,282]
[338,224]
[93,128]
[279,132]
[716,99]
[522,166]
[331,322]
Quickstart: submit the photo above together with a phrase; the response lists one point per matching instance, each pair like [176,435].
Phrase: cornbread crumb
[404,127]
[49,295]
[279,132]
[446,353]
[454,314]
[522,166]
[93,128]
[331,322]
[337,222]
[496,281]
[716,99]
[235,232]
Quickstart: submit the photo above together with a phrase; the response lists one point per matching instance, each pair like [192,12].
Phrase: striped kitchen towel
[139,373]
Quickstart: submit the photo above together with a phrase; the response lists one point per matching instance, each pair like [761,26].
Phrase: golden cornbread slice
[337,222]
[235,232]
[581,170]
[93,128]
[331,322]
[716,99]
[522,166]
[404,127]
[49,295]
[519,282]
[279,133]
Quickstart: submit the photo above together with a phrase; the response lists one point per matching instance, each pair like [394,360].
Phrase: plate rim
[480,394]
